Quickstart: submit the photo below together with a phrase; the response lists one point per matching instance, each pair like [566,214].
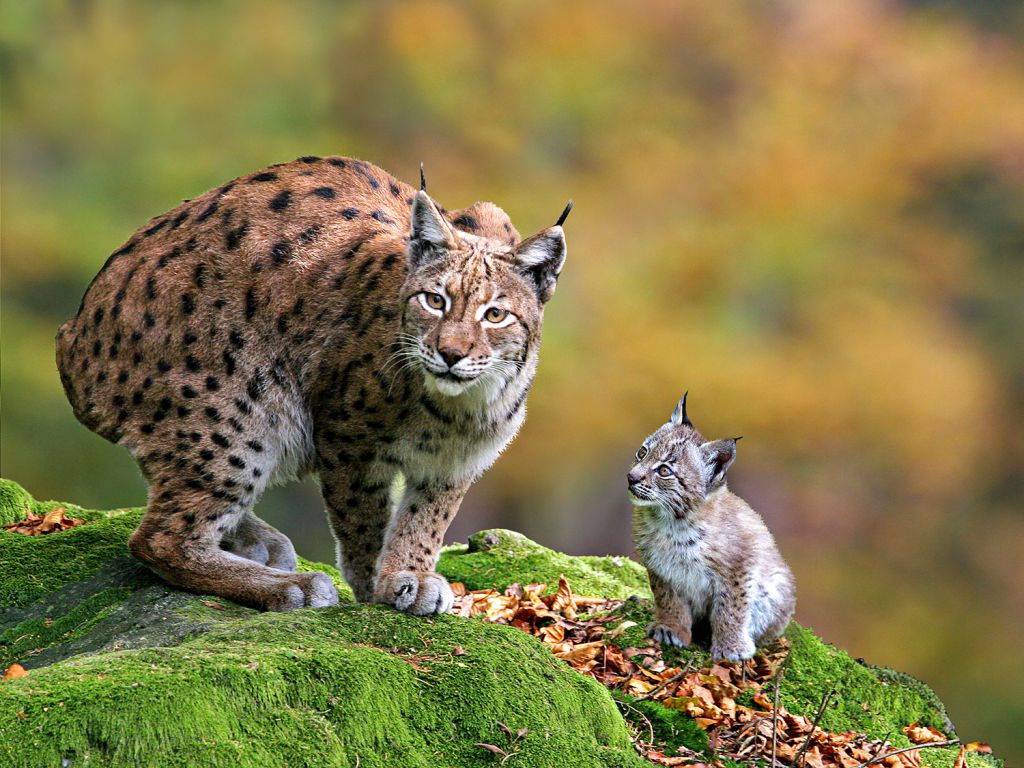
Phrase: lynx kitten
[709,555]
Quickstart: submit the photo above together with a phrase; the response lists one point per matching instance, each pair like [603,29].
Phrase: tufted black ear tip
[423,179]
[679,416]
[565,215]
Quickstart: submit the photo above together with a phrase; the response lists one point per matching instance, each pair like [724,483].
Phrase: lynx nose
[450,356]
[635,476]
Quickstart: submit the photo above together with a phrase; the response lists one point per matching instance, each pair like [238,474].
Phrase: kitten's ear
[718,457]
[540,258]
[679,417]
[429,234]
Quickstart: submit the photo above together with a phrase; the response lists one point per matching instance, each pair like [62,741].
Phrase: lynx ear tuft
[565,214]
[718,457]
[423,179]
[679,417]
[429,234]
[540,259]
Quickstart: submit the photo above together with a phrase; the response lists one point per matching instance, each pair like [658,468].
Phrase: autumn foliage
[583,631]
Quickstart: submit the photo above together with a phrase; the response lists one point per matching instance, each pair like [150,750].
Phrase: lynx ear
[429,234]
[679,417]
[718,457]
[540,259]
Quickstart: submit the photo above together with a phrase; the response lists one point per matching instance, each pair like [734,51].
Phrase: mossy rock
[497,558]
[125,670]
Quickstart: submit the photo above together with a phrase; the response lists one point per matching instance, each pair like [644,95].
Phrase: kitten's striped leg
[673,622]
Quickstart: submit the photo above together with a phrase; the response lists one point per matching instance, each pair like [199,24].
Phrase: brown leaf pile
[707,695]
[37,525]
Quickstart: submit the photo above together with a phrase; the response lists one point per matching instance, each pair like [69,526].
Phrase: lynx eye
[664,471]
[641,453]
[434,300]
[495,314]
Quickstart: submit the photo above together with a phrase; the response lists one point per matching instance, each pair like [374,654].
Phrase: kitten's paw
[417,592]
[739,649]
[303,590]
[666,636]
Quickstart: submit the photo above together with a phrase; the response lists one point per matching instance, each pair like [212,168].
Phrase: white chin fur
[448,387]
[638,502]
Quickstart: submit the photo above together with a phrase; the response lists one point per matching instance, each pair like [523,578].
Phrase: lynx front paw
[418,592]
[738,649]
[303,590]
[666,636]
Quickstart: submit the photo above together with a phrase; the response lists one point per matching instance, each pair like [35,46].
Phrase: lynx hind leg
[260,542]
[732,633]
[359,511]
[673,622]
[773,611]
[180,539]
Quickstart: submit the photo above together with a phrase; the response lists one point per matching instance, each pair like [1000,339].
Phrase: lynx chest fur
[318,316]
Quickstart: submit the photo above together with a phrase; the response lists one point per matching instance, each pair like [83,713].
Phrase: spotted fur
[708,554]
[276,326]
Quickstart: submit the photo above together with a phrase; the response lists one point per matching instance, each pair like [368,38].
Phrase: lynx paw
[738,649]
[303,590]
[666,636]
[418,592]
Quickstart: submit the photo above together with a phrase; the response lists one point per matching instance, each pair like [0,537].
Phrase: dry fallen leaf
[13,672]
[492,748]
[922,734]
[36,525]
[979,746]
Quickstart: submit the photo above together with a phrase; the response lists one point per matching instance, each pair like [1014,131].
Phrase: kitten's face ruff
[668,471]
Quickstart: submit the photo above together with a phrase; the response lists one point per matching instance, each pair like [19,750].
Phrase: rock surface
[125,670]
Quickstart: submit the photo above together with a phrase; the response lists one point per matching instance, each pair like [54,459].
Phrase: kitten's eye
[434,300]
[664,471]
[495,315]
[641,453]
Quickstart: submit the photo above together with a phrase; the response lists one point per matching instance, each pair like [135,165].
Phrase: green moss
[16,502]
[21,642]
[671,728]
[204,682]
[336,687]
[34,566]
[865,702]
[497,558]
[869,699]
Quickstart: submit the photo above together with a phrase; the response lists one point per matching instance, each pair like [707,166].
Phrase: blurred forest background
[809,214]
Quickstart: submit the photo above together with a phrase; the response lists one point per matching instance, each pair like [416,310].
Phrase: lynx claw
[417,592]
[665,636]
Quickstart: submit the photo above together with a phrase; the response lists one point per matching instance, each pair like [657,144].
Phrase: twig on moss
[932,745]
[775,707]
[650,727]
[881,746]
[814,726]
[664,684]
